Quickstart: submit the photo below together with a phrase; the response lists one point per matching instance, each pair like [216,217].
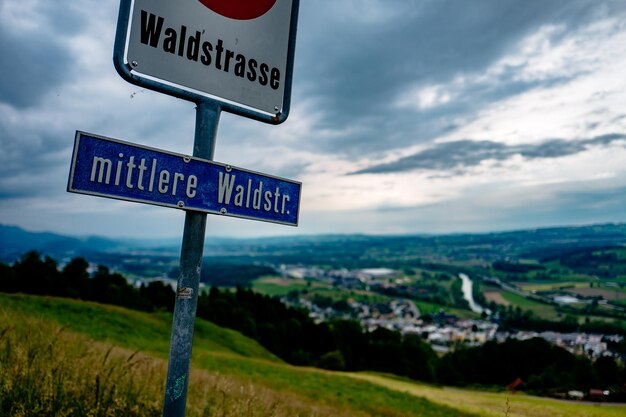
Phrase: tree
[333,361]
[74,278]
[158,295]
[607,371]
[8,283]
[34,276]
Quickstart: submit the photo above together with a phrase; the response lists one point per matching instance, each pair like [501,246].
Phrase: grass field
[272,285]
[132,329]
[431,308]
[490,404]
[612,294]
[550,286]
[541,310]
[496,297]
[64,357]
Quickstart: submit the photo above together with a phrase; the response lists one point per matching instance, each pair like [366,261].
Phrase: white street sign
[233,50]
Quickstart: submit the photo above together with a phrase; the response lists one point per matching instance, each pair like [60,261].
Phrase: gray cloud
[32,66]
[467,213]
[355,70]
[352,69]
[462,154]
[610,201]
[36,60]
[502,208]
[33,163]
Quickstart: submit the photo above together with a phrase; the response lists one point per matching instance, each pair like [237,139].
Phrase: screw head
[223,210]
[134,63]
[186,159]
[181,204]
[276,108]
[228,168]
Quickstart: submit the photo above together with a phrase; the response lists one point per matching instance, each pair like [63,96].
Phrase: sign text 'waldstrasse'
[238,54]
[193,46]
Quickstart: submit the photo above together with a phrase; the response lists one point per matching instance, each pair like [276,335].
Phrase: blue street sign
[111,168]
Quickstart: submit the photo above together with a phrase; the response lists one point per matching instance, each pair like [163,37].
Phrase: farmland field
[496,297]
[541,310]
[278,286]
[431,308]
[550,286]
[609,294]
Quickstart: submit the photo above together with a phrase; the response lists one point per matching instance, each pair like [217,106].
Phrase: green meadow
[67,357]
[545,311]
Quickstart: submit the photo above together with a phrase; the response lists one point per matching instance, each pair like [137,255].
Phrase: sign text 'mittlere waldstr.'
[111,168]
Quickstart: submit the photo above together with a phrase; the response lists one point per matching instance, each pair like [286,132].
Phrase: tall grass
[46,370]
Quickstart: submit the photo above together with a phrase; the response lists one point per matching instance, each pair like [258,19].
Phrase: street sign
[111,168]
[224,55]
[235,51]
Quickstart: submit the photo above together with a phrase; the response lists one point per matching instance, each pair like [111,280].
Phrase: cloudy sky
[407,117]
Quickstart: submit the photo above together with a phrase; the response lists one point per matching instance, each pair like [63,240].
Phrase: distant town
[442,330]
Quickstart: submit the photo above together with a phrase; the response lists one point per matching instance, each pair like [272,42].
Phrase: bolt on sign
[235,51]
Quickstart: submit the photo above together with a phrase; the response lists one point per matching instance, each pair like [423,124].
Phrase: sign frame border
[70,189]
[125,70]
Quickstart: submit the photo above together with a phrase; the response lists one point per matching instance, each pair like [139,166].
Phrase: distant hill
[342,251]
[14,241]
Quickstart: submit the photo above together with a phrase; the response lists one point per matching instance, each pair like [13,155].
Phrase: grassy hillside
[64,357]
[232,376]
[129,328]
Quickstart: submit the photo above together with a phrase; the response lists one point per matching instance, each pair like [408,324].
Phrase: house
[598,394]
[515,385]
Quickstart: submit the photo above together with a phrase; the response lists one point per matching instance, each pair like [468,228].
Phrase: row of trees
[34,275]
[542,366]
[340,345]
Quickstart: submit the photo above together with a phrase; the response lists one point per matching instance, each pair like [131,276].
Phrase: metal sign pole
[207,120]
[141,59]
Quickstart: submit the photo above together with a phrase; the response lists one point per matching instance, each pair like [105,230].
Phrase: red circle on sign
[239,9]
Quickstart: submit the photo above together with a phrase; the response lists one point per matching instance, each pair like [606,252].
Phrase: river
[468,295]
